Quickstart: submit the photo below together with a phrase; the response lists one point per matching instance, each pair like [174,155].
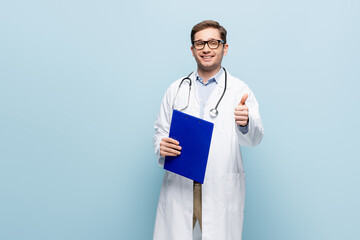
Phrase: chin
[208,67]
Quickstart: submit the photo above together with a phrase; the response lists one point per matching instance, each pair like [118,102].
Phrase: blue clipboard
[194,137]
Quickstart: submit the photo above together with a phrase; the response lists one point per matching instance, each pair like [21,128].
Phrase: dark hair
[208,24]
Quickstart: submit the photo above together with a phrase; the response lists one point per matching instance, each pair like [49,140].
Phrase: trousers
[197,209]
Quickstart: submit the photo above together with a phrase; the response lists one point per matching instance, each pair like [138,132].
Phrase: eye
[213,43]
[199,43]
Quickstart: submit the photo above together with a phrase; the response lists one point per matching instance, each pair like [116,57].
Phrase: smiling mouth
[206,57]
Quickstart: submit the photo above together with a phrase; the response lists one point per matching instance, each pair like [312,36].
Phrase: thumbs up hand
[242,112]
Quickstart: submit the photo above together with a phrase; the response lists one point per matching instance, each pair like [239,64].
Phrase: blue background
[81,84]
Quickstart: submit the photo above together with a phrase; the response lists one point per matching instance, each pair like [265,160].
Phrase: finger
[242,112]
[170,151]
[166,154]
[176,147]
[170,155]
[241,108]
[243,99]
[170,145]
[170,140]
[241,123]
[166,146]
[241,118]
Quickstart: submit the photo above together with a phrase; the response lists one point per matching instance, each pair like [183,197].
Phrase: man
[218,203]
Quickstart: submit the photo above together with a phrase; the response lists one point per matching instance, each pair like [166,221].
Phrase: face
[209,60]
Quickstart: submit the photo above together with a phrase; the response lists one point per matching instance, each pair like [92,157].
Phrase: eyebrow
[206,40]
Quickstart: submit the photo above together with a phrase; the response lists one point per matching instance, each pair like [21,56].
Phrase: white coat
[223,191]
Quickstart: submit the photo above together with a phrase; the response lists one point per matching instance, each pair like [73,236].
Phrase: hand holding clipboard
[169,147]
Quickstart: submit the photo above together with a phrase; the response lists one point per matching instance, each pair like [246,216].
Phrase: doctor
[218,204]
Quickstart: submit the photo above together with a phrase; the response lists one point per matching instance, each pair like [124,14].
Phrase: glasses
[213,44]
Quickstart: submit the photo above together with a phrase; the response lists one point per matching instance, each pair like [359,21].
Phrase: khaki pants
[197,204]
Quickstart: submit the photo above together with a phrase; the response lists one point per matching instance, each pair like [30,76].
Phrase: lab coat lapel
[195,90]
[194,102]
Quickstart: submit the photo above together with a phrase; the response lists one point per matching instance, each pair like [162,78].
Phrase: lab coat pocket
[235,192]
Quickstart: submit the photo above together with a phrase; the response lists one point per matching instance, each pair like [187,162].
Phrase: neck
[207,74]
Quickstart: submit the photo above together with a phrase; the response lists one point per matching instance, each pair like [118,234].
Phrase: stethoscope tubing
[222,95]
[213,112]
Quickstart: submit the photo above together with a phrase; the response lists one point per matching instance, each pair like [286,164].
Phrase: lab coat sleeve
[255,129]
[162,124]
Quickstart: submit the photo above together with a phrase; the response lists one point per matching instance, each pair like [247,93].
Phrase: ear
[226,47]
[192,50]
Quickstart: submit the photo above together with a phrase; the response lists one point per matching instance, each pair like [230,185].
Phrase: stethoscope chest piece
[213,112]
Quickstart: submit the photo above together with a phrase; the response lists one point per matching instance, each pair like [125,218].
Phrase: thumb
[243,99]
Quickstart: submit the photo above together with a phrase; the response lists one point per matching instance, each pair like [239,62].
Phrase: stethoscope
[213,112]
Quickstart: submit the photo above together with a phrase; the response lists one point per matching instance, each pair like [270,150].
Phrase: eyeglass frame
[207,43]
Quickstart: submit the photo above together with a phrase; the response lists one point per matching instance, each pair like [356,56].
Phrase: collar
[220,77]
[216,78]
